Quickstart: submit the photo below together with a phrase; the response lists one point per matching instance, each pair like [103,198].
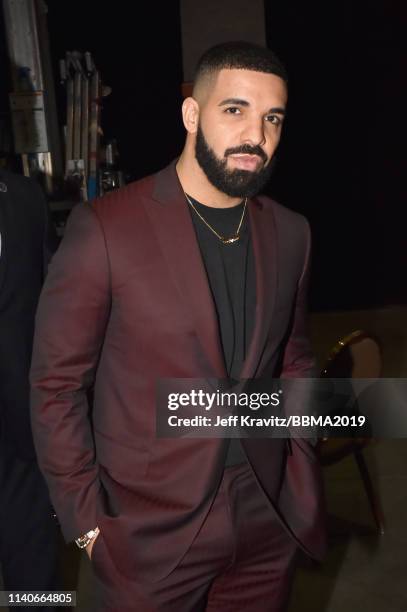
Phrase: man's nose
[254,133]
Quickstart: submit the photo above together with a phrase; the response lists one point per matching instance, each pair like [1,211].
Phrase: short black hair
[239,55]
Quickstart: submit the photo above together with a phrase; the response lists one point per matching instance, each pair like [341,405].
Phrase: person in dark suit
[185,274]
[28,529]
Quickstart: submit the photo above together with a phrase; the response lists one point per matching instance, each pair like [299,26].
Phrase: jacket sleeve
[70,324]
[298,358]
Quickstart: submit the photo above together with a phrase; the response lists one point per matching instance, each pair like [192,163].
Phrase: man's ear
[190,114]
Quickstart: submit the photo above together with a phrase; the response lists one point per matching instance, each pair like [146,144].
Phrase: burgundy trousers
[241,559]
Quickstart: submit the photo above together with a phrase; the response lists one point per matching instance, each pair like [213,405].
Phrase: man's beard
[236,183]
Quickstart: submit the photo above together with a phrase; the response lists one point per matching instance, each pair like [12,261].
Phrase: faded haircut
[236,55]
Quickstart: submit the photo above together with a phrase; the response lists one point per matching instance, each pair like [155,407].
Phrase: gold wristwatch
[87,538]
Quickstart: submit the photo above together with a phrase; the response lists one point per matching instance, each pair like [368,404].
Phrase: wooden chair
[358,355]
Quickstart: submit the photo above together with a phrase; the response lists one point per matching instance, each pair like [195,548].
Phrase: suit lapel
[176,235]
[264,237]
[174,229]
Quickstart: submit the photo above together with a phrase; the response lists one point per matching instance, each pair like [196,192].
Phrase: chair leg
[373,497]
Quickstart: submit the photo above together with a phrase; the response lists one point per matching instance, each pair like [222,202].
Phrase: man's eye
[233,110]
[275,119]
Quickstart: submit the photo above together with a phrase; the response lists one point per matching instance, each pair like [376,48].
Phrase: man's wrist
[84,540]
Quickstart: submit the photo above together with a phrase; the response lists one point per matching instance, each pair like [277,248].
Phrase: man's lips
[244,161]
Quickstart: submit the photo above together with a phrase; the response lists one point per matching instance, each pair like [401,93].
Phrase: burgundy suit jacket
[126,302]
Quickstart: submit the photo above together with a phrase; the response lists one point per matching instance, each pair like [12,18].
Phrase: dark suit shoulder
[12,179]
[24,198]
[20,185]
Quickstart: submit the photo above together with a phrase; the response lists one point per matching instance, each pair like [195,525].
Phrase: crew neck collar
[229,209]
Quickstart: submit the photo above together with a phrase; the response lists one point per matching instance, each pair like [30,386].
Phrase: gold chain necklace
[224,240]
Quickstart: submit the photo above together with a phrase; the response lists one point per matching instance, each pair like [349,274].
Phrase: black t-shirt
[231,275]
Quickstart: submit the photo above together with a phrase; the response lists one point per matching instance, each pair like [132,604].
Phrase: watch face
[83,541]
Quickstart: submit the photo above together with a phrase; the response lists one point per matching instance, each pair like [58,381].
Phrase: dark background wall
[342,159]
[204,24]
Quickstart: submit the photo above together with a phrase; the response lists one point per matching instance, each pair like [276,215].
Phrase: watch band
[85,539]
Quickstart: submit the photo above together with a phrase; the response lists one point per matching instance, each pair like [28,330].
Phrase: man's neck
[195,183]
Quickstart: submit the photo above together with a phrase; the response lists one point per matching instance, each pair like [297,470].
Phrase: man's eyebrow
[278,110]
[237,101]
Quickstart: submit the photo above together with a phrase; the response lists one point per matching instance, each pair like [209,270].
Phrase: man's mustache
[247,150]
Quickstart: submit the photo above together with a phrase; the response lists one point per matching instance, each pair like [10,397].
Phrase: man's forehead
[236,83]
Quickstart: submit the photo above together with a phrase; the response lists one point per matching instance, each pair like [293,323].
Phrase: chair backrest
[357,355]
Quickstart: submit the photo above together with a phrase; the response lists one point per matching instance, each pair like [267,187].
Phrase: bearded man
[186,274]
